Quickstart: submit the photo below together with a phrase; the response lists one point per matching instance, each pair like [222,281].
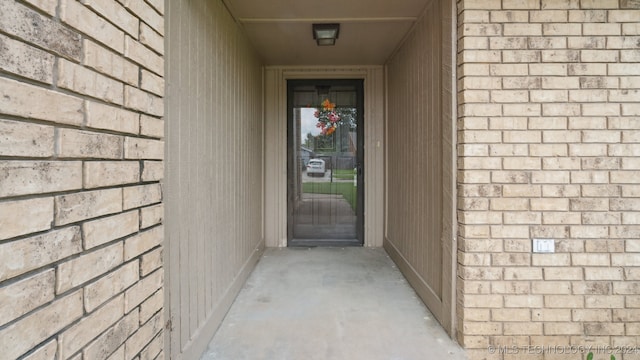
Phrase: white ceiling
[370,30]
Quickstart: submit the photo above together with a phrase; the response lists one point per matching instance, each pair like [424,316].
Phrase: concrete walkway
[329,303]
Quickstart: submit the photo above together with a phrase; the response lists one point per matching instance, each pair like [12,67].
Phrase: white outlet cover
[544,245]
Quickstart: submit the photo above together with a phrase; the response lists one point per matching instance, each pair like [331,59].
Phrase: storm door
[325,162]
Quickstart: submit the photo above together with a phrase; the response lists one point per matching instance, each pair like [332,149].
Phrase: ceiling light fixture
[326,34]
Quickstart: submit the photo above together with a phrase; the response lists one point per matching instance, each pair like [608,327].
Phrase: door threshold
[324,243]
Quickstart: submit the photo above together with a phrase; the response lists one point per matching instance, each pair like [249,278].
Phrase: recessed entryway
[226,157]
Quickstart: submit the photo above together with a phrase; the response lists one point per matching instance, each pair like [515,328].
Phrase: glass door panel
[325,162]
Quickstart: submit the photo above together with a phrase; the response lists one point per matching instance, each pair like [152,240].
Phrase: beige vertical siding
[214,168]
[549,145]
[276,146]
[449,165]
[275,156]
[81,156]
[374,145]
[419,166]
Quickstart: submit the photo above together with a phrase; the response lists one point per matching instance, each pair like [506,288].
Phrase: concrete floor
[329,303]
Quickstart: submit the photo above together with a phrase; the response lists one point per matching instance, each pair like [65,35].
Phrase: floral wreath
[327,118]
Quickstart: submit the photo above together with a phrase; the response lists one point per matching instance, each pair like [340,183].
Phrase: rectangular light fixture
[326,34]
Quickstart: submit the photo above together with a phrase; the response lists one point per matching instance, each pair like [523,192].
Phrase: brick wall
[81,150]
[549,138]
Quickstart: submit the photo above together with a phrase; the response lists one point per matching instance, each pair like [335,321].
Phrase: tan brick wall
[81,203]
[549,117]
